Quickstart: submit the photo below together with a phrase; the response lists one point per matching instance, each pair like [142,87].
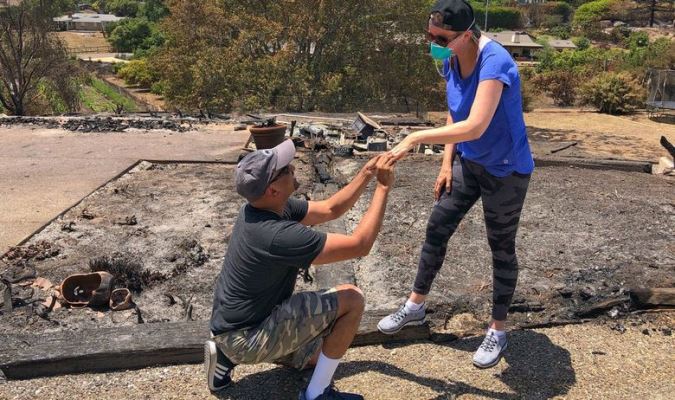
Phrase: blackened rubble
[104,124]
[347,136]
[587,238]
[582,248]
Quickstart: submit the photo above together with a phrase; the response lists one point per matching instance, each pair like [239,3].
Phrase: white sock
[323,374]
[412,306]
[501,335]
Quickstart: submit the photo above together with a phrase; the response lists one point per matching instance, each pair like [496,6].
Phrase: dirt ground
[585,236]
[150,100]
[590,361]
[81,41]
[579,242]
[45,171]
[172,221]
[633,137]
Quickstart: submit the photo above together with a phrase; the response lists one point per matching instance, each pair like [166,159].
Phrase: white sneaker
[393,323]
[490,351]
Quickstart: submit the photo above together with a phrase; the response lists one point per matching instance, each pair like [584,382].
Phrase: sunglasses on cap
[278,174]
[439,36]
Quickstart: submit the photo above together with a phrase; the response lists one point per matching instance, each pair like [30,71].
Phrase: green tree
[153,10]
[300,55]
[31,58]
[134,34]
[122,8]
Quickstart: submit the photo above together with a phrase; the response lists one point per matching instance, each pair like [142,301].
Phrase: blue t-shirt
[503,148]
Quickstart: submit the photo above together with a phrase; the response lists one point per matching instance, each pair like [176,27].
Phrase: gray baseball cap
[256,170]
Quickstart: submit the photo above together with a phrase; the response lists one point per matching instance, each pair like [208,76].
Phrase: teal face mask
[439,52]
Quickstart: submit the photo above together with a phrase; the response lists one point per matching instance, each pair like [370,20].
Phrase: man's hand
[385,170]
[370,169]
[443,182]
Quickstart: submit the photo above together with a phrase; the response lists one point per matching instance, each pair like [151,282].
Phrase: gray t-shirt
[261,266]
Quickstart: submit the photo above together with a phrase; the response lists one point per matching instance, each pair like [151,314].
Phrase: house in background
[85,21]
[7,3]
[522,46]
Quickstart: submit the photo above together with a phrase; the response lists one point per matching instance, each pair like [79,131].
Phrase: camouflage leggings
[503,200]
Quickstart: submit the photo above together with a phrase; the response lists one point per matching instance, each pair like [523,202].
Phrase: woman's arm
[449,153]
[482,110]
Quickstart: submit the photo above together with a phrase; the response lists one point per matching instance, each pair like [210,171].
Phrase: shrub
[659,54]
[619,34]
[582,43]
[527,93]
[562,31]
[560,85]
[592,12]
[157,88]
[613,93]
[584,63]
[498,17]
[587,17]
[138,72]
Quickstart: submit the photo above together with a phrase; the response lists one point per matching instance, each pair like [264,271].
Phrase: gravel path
[575,362]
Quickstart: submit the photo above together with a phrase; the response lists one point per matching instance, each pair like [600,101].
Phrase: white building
[85,21]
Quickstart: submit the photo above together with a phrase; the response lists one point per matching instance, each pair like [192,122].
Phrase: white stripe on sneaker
[219,376]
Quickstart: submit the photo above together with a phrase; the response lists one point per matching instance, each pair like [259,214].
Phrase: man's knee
[351,298]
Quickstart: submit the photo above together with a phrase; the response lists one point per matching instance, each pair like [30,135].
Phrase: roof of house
[562,44]
[513,39]
[524,40]
[87,17]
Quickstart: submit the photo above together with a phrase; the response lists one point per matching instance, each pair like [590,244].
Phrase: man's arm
[334,207]
[358,244]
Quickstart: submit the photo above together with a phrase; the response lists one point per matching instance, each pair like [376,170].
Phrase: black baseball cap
[257,169]
[457,14]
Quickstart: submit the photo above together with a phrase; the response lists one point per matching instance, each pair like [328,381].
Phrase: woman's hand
[443,182]
[402,149]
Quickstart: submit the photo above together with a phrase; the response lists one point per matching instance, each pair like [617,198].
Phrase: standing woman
[486,130]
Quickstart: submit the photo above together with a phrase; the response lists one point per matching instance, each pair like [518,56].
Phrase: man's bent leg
[290,334]
[350,310]
[351,304]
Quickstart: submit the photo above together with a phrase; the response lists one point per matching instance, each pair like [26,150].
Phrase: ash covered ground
[585,236]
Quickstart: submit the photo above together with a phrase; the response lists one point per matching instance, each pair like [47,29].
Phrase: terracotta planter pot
[81,290]
[269,136]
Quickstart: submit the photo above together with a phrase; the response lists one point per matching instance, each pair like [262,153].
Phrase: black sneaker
[218,367]
[332,394]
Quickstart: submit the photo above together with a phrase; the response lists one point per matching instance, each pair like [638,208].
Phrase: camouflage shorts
[290,335]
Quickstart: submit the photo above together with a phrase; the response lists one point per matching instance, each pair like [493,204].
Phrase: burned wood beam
[599,308]
[25,356]
[565,147]
[7,306]
[668,146]
[653,297]
[587,163]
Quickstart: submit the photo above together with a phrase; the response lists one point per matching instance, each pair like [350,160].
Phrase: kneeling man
[256,317]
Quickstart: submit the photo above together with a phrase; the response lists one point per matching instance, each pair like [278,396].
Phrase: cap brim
[285,154]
